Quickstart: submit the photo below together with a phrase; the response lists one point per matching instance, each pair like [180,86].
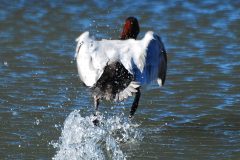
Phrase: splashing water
[80,139]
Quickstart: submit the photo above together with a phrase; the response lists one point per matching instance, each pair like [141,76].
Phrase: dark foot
[96,122]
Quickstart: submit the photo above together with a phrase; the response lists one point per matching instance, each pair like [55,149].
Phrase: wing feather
[155,67]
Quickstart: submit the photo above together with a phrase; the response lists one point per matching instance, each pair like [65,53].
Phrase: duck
[116,69]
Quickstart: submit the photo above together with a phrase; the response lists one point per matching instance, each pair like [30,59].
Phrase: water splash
[80,139]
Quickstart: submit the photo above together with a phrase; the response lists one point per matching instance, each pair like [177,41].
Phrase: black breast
[114,79]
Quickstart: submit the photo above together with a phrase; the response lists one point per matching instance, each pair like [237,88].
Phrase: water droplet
[37,122]
[14,113]
[5,63]
[39,133]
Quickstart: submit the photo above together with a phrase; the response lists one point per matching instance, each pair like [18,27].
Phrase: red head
[130,29]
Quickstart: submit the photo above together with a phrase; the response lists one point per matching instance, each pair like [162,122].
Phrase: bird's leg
[96,103]
[135,103]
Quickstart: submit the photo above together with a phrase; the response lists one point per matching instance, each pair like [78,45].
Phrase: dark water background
[196,115]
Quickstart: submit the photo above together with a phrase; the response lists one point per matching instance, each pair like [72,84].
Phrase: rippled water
[45,109]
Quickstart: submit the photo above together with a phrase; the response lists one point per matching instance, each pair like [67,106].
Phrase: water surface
[43,103]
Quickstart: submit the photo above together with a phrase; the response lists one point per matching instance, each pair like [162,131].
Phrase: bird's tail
[128,91]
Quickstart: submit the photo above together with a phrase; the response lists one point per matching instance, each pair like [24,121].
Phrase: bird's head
[130,29]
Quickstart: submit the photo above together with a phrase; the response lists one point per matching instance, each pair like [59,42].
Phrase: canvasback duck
[116,69]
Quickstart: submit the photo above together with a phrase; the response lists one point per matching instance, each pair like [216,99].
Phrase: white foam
[80,139]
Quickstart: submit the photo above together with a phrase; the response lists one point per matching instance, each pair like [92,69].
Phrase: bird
[116,69]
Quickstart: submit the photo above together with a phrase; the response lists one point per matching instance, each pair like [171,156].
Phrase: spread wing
[155,67]
[145,59]
[93,56]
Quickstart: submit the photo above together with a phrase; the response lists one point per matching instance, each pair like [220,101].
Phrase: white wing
[155,64]
[93,56]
